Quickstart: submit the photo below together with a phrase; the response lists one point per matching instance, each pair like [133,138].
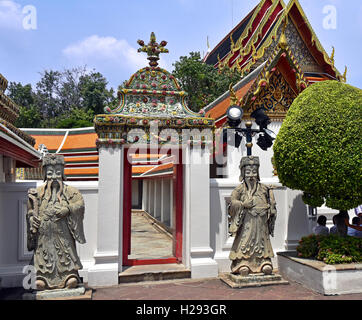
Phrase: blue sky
[103,34]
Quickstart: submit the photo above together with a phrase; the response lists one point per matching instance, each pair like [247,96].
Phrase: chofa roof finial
[153,49]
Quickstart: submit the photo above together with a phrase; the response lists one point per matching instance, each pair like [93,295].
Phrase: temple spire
[233,98]
[283,43]
[332,55]
[153,49]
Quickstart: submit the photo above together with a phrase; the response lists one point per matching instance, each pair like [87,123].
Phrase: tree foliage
[318,148]
[30,116]
[67,99]
[70,98]
[201,81]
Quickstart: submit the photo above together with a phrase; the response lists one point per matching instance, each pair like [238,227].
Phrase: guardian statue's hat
[53,159]
[249,161]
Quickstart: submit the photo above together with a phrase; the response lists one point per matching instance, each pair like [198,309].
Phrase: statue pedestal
[252,280]
[79,293]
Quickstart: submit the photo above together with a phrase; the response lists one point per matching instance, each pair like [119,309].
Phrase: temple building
[178,186]
[16,151]
[278,55]
[16,147]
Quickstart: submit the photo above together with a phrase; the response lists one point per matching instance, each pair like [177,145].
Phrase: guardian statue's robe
[252,227]
[55,256]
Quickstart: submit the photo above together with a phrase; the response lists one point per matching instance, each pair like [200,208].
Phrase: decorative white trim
[14,139]
[23,253]
[56,130]
[62,144]
[106,257]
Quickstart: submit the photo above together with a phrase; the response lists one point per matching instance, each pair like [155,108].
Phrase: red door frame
[177,210]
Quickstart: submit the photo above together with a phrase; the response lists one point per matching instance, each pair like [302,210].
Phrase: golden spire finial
[283,39]
[220,64]
[232,45]
[233,99]
[332,55]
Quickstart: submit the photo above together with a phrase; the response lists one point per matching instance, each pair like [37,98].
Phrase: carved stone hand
[249,203]
[62,212]
[34,223]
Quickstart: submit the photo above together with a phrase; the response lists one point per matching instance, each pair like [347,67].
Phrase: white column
[149,187]
[144,195]
[162,200]
[166,208]
[197,192]
[152,197]
[108,255]
[158,199]
[171,205]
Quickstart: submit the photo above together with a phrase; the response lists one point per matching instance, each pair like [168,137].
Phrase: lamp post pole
[248,132]
[266,138]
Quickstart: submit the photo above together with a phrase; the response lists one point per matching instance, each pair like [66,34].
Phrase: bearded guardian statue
[55,221]
[253,212]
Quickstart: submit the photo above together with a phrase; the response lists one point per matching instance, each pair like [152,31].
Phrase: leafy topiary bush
[331,249]
[318,148]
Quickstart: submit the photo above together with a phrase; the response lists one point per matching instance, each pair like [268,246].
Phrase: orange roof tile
[163,167]
[219,110]
[80,141]
[52,142]
[314,79]
[81,171]
[140,169]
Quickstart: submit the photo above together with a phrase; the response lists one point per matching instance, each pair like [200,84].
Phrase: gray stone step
[157,272]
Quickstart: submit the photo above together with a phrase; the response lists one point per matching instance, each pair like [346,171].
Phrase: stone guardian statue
[54,223]
[253,212]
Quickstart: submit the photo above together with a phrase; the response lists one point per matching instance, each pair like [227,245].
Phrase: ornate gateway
[151,97]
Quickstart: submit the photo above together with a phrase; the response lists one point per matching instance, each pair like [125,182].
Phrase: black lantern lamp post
[266,137]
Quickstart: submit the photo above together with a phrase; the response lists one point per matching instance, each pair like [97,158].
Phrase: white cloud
[11,16]
[95,49]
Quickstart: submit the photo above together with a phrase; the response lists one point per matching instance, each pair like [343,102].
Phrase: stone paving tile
[213,289]
[147,242]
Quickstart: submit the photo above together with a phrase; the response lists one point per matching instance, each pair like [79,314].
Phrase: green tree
[48,94]
[94,93]
[24,97]
[201,81]
[62,99]
[77,118]
[318,148]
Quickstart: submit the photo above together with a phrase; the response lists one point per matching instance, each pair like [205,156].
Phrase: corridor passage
[148,242]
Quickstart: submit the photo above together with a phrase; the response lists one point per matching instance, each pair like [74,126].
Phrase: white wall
[198,252]
[13,252]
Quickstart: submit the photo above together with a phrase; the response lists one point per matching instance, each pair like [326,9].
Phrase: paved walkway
[147,242]
[213,289]
[208,289]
